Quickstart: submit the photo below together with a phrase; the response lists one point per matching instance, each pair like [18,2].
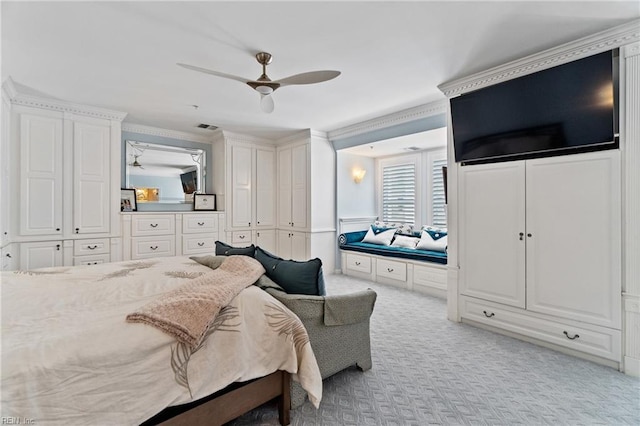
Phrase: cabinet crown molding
[587,46]
[157,131]
[18,98]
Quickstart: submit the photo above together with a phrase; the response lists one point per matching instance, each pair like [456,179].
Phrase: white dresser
[157,234]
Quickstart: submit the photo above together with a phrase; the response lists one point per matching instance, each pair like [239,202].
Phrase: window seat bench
[424,271]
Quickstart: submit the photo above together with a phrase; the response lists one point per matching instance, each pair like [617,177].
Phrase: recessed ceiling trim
[156,131]
[400,117]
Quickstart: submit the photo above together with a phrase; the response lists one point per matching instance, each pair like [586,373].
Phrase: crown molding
[632,50]
[399,117]
[240,137]
[587,46]
[18,98]
[167,133]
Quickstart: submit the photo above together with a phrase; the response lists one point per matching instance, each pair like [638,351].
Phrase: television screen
[189,182]
[556,111]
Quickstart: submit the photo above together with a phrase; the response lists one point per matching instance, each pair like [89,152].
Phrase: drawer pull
[488,315]
[8,255]
[200,223]
[241,237]
[92,247]
[58,247]
[200,244]
[153,225]
[357,263]
[389,269]
[575,336]
[153,247]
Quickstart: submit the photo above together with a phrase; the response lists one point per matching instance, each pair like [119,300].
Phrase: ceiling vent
[412,148]
[207,126]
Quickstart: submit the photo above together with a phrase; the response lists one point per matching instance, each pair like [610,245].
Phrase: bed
[69,356]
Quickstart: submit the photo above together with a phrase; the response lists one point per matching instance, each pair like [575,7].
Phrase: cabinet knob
[57,229]
[521,235]
[77,230]
[8,255]
[58,247]
[529,235]
[257,233]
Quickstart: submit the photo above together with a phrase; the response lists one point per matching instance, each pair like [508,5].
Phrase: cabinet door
[40,175]
[91,178]
[9,258]
[284,188]
[492,248]
[573,237]
[40,255]
[299,186]
[266,239]
[265,188]
[284,244]
[299,246]
[241,186]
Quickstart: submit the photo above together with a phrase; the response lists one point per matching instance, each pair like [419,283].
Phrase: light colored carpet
[428,370]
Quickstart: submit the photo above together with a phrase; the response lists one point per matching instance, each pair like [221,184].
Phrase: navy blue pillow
[223,249]
[293,276]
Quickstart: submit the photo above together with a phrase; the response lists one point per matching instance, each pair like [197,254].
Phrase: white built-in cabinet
[540,249]
[292,186]
[63,168]
[292,245]
[251,208]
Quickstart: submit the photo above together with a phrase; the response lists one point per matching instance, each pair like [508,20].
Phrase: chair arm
[331,310]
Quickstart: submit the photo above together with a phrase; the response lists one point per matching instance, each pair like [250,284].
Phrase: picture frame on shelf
[128,201]
[204,202]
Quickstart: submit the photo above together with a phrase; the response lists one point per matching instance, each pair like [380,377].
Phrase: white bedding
[69,357]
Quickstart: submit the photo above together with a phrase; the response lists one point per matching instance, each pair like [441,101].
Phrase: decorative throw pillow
[428,242]
[405,241]
[435,232]
[379,236]
[293,276]
[224,249]
[401,228]
[212,262]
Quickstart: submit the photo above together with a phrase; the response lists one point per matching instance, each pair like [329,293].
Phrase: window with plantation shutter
[399,193]
[438,211]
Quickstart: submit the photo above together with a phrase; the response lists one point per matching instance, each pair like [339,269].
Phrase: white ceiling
[123,55]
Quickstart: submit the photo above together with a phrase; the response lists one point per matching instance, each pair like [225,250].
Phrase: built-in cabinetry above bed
[61,182]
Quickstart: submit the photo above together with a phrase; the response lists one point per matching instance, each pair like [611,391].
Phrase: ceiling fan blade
[308,77]
[216,73]
[266,103]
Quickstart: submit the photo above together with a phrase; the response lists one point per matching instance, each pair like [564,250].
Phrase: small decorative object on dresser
[204,202]
[128,200]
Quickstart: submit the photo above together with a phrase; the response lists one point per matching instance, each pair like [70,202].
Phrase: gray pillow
[293,276]
[224,249]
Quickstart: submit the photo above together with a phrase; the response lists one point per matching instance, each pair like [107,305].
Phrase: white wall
[355,199]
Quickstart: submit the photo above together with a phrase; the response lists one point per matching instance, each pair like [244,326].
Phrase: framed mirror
[164,174]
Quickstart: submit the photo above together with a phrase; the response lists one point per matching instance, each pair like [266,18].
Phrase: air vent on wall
[412,148]
[207,126]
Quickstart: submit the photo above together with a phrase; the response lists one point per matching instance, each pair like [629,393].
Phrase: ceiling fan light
[264,90]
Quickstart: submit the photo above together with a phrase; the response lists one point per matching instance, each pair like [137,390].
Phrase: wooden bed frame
[230,403]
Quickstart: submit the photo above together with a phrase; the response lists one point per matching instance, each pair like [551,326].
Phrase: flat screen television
[189,181]
[561,110]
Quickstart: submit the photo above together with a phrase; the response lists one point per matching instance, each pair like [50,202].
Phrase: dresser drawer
[145,247]
[91,247]
[204,243]
[241,237]
[153,225]
[356,262]
[91,260]
[599,341]
[198,223]
[390,269]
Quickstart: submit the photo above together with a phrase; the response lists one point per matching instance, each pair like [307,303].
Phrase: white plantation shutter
[438,212]
[399,193]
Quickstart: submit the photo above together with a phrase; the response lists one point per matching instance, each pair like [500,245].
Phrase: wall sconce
[358,174]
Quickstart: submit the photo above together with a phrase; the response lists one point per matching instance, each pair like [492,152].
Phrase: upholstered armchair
[338,328]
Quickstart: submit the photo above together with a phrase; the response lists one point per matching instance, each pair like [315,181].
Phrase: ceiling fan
[135,162]
[264,85]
